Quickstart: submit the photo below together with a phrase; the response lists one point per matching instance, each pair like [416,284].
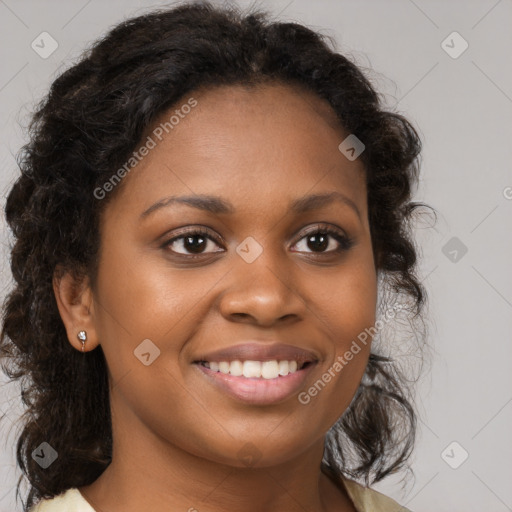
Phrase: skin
[176,437]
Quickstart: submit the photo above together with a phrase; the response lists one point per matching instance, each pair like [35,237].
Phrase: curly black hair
[89,124]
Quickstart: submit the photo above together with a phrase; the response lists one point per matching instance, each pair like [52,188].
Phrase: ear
[76,307]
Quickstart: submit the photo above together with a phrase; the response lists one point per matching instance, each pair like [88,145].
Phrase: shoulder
[370,500]
[69,501]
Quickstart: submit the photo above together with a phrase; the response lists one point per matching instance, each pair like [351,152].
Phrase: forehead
[240,140]
[254,98]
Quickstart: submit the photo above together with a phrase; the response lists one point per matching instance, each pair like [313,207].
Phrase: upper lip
[260,352]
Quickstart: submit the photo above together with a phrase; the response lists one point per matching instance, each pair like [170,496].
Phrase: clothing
[364,499]
[370,500]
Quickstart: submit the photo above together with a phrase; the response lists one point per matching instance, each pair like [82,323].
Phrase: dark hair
[89,124]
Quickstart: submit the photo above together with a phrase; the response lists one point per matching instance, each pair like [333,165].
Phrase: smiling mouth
[257,383]
[255,369]
[257,373]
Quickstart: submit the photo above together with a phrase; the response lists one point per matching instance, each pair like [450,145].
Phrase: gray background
[462,107]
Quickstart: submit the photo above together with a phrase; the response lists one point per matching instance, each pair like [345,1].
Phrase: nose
[262,294]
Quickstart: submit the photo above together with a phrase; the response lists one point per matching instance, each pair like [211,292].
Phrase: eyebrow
[217,205]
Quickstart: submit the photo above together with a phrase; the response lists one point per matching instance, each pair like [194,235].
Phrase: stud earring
[82,336]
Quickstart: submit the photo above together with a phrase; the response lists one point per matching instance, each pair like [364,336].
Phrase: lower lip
[258,391]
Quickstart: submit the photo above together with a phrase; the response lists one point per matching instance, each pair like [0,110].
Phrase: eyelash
[345,243]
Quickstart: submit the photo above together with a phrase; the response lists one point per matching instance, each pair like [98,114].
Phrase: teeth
[236,368]
[270,370]
[224,367]
[254,369]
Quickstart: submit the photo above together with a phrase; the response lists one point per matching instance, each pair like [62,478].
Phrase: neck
[147,472]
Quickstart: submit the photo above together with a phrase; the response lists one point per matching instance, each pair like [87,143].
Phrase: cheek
[346,302]
[347,308]
[141,299]
[355,322]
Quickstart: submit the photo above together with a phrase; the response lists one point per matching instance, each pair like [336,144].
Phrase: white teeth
[254,369]
[236,368]
[224,367]
[270,370]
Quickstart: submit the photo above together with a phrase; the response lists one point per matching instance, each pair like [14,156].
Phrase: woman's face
[255,284]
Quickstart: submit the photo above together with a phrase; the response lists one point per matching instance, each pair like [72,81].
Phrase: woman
[209,209]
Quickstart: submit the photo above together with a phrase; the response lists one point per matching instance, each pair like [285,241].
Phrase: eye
[196,242]
[324,239]
[192,243]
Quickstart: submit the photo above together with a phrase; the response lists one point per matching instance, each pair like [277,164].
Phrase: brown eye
[324,240]
[193,242]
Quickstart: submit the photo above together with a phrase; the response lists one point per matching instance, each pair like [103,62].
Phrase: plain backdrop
[460,100]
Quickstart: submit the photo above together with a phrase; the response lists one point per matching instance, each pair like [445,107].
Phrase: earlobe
[76,307]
